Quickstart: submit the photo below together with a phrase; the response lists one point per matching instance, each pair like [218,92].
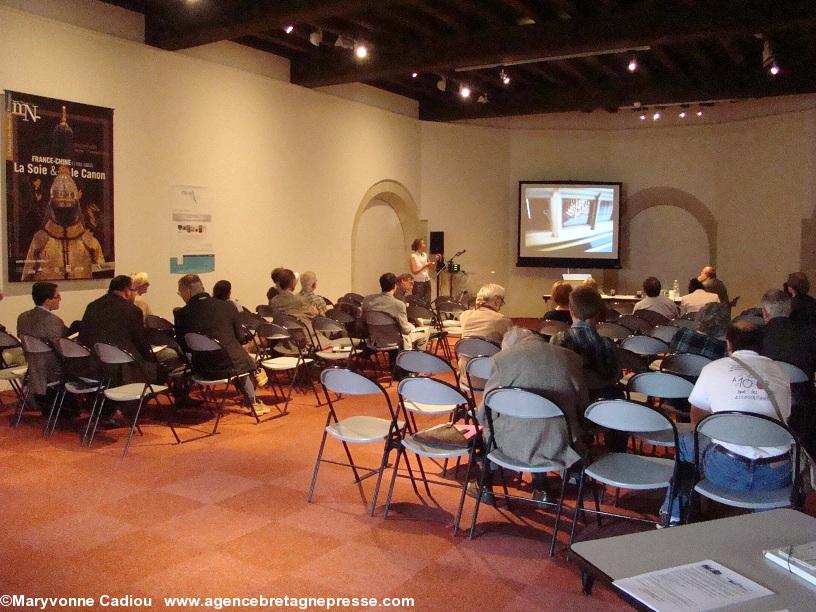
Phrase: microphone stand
[449,268]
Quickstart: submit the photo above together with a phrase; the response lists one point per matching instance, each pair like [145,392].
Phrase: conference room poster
[59,189]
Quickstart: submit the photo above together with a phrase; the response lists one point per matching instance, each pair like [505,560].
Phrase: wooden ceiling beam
[509,45]
[172,26]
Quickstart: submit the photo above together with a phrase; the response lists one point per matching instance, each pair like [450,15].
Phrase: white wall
[289,167]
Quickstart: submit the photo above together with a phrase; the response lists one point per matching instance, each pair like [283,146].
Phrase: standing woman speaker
[419,269]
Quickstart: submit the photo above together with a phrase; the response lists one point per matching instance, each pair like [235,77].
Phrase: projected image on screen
[568,221]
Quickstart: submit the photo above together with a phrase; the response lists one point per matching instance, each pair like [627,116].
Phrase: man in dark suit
[787,340]
[219,320]
[803,305]
[40,322]
[114,319]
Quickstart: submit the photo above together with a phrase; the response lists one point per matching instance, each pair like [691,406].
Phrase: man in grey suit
[527,360]
[40,322]
[387,303]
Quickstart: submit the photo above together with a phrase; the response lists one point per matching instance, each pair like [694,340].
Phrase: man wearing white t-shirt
[726,385]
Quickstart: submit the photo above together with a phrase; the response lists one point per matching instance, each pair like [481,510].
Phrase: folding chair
[550,328]
[449,312]
[626,470]
[265,310]
[651,317]
[687,323]
[613,331]
[661,386]
[477,372]
[475,347]
[796,375]
[37,349]
[645,346]
[133,392]
[383,337]
[421,363]
[273,335]
[666,333]
[634,324]
[685,365]
[13,375]
[71,352]
[343,347]
[357,429]
[208,356]
[747,429]
[523,404]
[428,391]
[421,315]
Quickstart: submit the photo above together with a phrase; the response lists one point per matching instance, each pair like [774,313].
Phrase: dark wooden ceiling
[561,55]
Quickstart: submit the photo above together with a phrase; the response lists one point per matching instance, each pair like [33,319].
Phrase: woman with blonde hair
[140,284]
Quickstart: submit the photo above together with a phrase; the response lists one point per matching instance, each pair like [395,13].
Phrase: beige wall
[288,168]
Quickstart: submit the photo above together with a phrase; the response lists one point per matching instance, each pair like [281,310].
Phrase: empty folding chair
[651,317]
[661,386]
[475,347]
[645,345]
[796,375]
[14,375]
[613,330]
[666,333]
[384,339]
[342,347]
[634,324]
[421,363]
[140,392]
[356,429]
[687,365]
[746,429]
[427,391]
[82,388]
[551,328]
[272,336]
[523,404]
[422,316]
[628,470]
[477,372]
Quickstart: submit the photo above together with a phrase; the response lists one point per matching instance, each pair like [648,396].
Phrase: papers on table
[704,585]
[799,560]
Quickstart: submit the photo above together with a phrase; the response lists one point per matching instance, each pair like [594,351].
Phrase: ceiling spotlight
[442,84]
[682,114]
[361,51]
[656,116]
[699,113]
[414,75]
[643,116]
[482,99]
[464,91]
[316,37]
[505,78]
[633,65]
[774,69]
[288,29]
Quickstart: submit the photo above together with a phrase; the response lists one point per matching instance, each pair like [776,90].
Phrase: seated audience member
[275,288]
[485,320]
[656,302]
[308,284]
[387,303]
[289,302]
[141,283]
[696,298]
[795,343]
[560,296]
[405,287]
[527,360]
[709,340]
[601,370]
[712,284]
[219,320]
[41,322]
[803,306]
[222,290]
[114,319]
[591,283]
[737,382]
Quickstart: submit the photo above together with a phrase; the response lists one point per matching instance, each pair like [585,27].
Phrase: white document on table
[704,585]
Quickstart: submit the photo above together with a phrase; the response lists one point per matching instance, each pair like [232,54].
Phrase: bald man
[712,284]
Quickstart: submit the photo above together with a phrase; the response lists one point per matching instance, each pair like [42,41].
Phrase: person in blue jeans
[737,382]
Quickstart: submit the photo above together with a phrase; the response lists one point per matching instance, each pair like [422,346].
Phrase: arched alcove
[681,242]
[381,195]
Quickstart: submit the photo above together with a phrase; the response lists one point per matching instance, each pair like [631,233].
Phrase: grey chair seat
[209,382]
[758,500]
[436,451]
[131,392]
[361,429]
[334,355]
[665,437]
[283,363]
[13,373]
[632,471]
[91,386]
[421,408]
[500,459]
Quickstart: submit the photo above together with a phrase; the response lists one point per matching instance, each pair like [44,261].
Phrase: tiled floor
[227,516]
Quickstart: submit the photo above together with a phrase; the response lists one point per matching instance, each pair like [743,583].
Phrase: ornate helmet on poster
[62,138]
[65,197]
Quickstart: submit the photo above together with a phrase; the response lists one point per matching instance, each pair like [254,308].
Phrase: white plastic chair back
[684,364]
[199,343]
[424,390]
[623,415]
[34,345]
[475,347]
[796,375]
[421,362]
[660,384]
[112,355]
[521,404]
[644,345]
[666,333]
[346,382]
[745,429]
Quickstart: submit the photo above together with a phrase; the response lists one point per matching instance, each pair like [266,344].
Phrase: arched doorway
[386,222]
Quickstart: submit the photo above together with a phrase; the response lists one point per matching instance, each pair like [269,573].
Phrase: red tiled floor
[227,516]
